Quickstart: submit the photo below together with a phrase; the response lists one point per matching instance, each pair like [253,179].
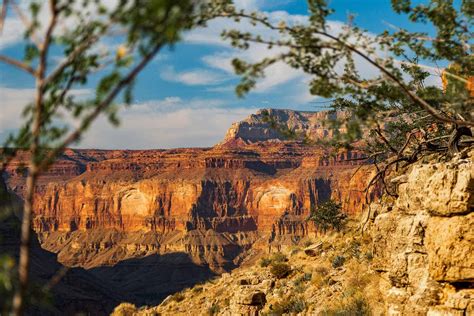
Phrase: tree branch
[33,170]
[415,98]
[18,64]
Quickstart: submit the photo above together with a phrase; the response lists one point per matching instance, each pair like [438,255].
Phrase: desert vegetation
[294,282]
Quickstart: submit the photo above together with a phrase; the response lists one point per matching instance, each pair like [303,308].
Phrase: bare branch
[21,65]
[378,130]
[3,15]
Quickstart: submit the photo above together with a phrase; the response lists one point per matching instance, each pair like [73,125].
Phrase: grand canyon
[236,157]
[189,228]
[155,221]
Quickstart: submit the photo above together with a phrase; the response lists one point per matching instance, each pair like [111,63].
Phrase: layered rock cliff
[221,206]
[414,256]
[214,204]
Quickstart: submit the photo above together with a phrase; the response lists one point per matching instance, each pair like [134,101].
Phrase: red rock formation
[100,207]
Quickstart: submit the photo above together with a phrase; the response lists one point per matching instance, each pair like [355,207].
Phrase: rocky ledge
[424,239]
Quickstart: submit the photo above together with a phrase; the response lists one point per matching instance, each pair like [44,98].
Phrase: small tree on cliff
[395,110]
[78,29]
[328,215]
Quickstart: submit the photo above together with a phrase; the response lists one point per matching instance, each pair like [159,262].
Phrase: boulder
[314,250]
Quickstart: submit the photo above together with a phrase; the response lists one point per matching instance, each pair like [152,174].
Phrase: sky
[185,97]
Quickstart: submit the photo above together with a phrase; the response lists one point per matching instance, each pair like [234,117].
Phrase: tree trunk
[24,264]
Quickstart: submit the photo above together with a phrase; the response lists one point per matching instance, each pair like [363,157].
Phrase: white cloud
[195,77]
[275,75]
[14,102]
[12,32]
[248,4]
[14,27]
[146,126]
[228,88]
[12,105]
[164,123]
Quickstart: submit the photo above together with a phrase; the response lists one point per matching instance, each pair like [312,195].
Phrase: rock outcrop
[256,128]
[424,240]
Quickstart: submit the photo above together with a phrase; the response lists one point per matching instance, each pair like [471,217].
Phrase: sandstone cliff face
[416,258]
[203,210]
[424,240]
[213,204]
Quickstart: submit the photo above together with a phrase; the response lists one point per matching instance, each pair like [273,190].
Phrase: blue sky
[185,97]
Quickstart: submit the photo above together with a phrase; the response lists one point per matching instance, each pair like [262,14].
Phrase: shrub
[356,307]
[280,270]
[214,309]
[278,257]
[197,289]
[354,249]
[265,262]
[338,261]
[178,297]
[369,256]
[328,215]
[321,270]
[289,306]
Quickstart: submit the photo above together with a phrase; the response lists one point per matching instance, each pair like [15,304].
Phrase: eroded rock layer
[216,204]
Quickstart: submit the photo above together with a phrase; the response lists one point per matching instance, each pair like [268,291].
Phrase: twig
[3,15]
[415,98]
[18,64]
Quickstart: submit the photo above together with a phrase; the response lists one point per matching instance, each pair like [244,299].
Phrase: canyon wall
[219,205]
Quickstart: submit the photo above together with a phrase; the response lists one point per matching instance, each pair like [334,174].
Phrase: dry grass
[314,286]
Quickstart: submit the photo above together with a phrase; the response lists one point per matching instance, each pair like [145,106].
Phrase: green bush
[289,306]
[280,270]
[214,309]
[338,261]
[328,215]
[354,249]
[178,297]
[278,257]
[356,307]
[265,262]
